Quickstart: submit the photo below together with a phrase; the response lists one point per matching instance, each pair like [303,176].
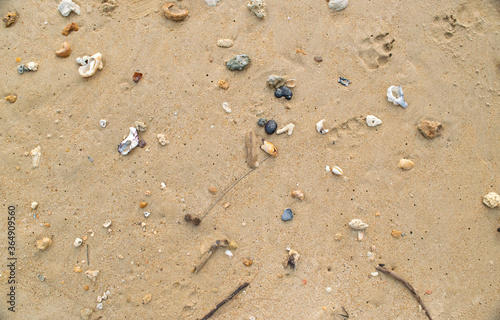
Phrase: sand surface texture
[446,58]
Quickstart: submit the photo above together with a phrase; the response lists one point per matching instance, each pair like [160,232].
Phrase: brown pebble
[318,58]
[396,233]
[298,194]
[143,205]
[406,164]
[223,84]
[247,262]
[64,51]
[46,224]
[11,98]
[86,287]
[70,27]
[430,129]
[212,190]
[10,18]
[226,205]
[147,299]
[43,243]
[137,76]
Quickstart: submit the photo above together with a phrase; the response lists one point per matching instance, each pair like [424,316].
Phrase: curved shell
[90,65]
[130,142]
[337,5]
[172,12]
[336,170]
[64,51]
[269,148]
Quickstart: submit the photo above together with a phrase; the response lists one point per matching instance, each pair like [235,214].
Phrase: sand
[444,56]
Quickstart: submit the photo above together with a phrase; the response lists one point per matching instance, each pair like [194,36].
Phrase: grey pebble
[287,215]
[262,122]
[238,62]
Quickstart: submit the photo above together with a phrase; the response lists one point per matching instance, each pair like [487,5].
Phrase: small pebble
[136,77]
[396,233]
[107,224]
[338,236]
[247,262]
[162,139]
[223,84]
[85,314]
[141,126]
[77,269]
[147,299]
[406,164]
[328,289]
[43,243]
[262,122]
[34,205]
[374,274]
[99,306]
[271,127]
[318,58]
[142,143]
[78,242]
[287,215]
[212,190]
[143,205]
[103,123]
[283,91]
[147,214]
[238,62]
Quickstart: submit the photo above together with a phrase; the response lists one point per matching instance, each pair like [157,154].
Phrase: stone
[262,122]
[491,200]
[238,62]
[147,299]
[141,126]
[212,190]
[406,164]
[162,139]
[43,243]
[287,215]
[430,129]
[283,91]
[143,205]
[85,314]
[318,58]
[223,84]
[258,7]
[396,233]
[271,127]
[225,43]
[373,121]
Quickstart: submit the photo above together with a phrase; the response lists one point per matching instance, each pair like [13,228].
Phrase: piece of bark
[252,148]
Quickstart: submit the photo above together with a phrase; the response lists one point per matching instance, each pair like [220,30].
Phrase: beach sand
[445,56]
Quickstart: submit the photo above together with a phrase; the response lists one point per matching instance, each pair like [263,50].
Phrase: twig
[235,292]
[346,315]
[208,254]
[88,262]
[408,285]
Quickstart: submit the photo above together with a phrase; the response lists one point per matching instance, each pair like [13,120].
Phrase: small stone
[43,243]
[141,126]
[107,224]
[406,164]
[86,288]
[328,289]
[141,143]
[225,43]
[143,205]
[232,245]
[318,58]
[374,274]
[491,200]
[258,7]
[146,299]
[11,98]
[92,274]
[430,129]
[262,122]
[226,205]
[85,314]
[212,190]
[247,262]
[147,214]
[10,18]
[276,81]
[162,139]
[396,233]
[238,62]
[229,253]
[373,121]
[77,269]
[338,236]
[99,299]
[223,84]
[283,91]
[78,242]
[34,205]
[287,215]
[271,127]
[99,306]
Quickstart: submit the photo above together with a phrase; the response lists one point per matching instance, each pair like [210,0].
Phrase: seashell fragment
[298,194]
[34,205]
[130,142]
[399,98]
[78,242]
[320,128]
[212,3]
[141,126]
[225,43]
[359,226]
[269,148]
[92,274]
[327,168]
[30,66]
[107,223]
[172,12]
[276,81]
[337,5]
[258,7]
[491,200]
[35,156]
[162,139]
[251,146]
[344,81]
[70,27]
[336,170]
[430,129]
[43,243]
[226,108]
[66,6]
[136,77]
[292,259]
[291,83]
[64,51]
[89,65]
[103,123]
[288,128]
[9,19]
[373,121]
[406,164]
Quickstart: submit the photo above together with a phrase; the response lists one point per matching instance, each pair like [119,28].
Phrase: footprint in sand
[376,50]
[444,27]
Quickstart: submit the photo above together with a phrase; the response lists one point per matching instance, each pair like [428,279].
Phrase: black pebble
[262,122]
[283,91]
[271,126]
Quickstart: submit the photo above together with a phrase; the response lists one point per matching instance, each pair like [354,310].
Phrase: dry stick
[235,292]
[88,261]
[408,285]
[232,186]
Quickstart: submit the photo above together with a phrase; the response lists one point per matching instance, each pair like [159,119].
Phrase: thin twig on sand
[208,254]
[235,292]
[408,285]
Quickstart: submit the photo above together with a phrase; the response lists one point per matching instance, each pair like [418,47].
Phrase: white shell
[89,65]
[229,253]
[34,204]
[212,3]
[337,5]
[92,274]
[373,121]
[357,224]
[66,6]
[130,142]
[336,170]
[406,164]
[141,126]
[319,127]
[78,242]
[400,96]
[35,155]
[31,66]
[162,139]
[107,223]
[491,200]
[147,214]
[103,123]
[327,168]
[226,108]
[288,128]
[225,43]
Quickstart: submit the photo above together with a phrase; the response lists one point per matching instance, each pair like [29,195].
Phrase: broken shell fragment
[292,259]
[92,274]
[66,6]
[103,123]
[337,5]
[107,223]
[291,83]
[269,148]
[35,156]
[78,242]
[70,27]
[258,7]
[288,128]
[141,126]
[64,51]
[225,43]
[226,108]
[89,65]
[162,139]
[276,81]
[251,146]
[172,12]
[320,128]
[337,171]
[406,164]
[298,194]
[399,98]
[430,129]
[359,226]
[491,200]
[9,19]
[130,142]
[373,121]
[43,243]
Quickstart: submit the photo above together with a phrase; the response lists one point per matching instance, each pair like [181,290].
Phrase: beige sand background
[444,55]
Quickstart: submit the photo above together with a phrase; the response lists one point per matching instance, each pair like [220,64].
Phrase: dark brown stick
[235,292]
[408,285]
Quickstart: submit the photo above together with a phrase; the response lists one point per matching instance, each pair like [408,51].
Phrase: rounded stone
[287,215]
[283,91]
[262,122]
[271,127]
[238,62]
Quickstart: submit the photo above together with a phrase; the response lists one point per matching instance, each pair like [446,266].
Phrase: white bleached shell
[491,200]
[258,7]
[31,66]
[92,274]
[337,5]
[78,242]
[35,156]
[288,128]
[130,142]
[225,43]
[229,253]
[66,6]
[89,65]
[336,170]
[399,98]
[34,205]
[107,224]
[103,123]
[320,128]
[327,168]
[373,121]
[406,164]
[226,108]
[357,224]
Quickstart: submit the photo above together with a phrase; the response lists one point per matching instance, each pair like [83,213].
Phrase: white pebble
[327,168]
[373,121]
[374,274]
[78,242]
[107,223]
[99,306]
[328,289]
[34,205]
[229,253]
[103,123]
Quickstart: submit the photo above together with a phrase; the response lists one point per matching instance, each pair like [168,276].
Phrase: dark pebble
[262,122]
[287,215]
[283,91]
[142,143]
[318,58]
[271,127]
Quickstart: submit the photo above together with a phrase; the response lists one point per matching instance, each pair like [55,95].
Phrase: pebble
[258,7]
[225,43]
[78,242]
[77,269]
[396,233]
[238,62]
[374,274]
[10,19]
[147,299]
[328,289]
[64,51]
[287,215]
[232,245]
[271,127]
[92,274]
[276,81]
[107,224]
[337,5]
[143,205]
[85,314]
[373,121]
[298,194]
[247,262]
[491,200]
[99,306]
[212,190]
[141,126]
[136,77]
[34,205]
[70,27]
[223,84]
[229,253]
[162,139]
[338,236]
[283,91]
[430,129]
[406,164]
[43,243]
[11,98]
[262,122]
[318,58]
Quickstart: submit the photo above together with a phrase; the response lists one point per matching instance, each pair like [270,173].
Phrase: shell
[172,12]
[92,274]
[78,242]
[320,128]
[89,65]
[66,6]
[400,96]
[11,98]
[226,108]
[357,224]
[103,123]
[337,5]
[491,200]
[107,224]
[336,170]
[36,153]
[406,164]
[291,83]
[31,66]
[269,148]
[258,7]
[288,128]
[130,142]
[225,43]
[44,243]
[298,194]
[373,121]
[64,51]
